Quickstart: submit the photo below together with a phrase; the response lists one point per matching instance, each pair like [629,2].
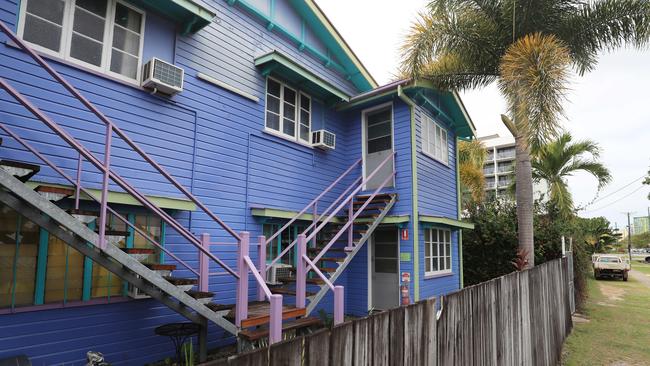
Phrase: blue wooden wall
[212,141]
[437,196]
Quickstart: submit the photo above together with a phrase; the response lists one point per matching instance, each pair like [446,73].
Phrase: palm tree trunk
[524,196]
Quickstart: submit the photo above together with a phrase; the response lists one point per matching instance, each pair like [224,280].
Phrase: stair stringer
[314,300]
[125,260]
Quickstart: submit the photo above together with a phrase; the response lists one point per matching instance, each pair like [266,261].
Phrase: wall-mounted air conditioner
[323,139]
[162,77]
[278,270]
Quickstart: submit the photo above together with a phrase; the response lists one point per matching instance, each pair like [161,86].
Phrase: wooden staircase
[335,260]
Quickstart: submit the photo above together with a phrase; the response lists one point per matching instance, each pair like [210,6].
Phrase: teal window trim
[163,230]
[41,266]
[129,244]
[88,272]
[15,264]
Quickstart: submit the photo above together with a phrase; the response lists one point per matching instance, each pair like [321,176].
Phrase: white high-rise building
[499,168]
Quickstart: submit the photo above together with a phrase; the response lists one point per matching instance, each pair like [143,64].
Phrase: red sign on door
[405,234]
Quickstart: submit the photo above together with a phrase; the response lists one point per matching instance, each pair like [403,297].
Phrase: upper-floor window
[437,251]
[103,35]
[434,140]
[288,112]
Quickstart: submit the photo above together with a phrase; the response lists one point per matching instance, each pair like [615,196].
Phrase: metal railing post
[351,228]
[338,305]
[77,190]
[242,282]
[261,252]
[314,221]
[301,272]
[275,331]
[105,179]
[204,265]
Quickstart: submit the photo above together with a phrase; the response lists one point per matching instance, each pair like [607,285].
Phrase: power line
[617,201]
[618,190]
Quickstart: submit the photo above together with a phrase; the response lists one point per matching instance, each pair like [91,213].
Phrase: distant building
[641,225]
[499,168]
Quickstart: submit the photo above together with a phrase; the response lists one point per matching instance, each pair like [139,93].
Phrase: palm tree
[471,158]
[556,161]
[524,46]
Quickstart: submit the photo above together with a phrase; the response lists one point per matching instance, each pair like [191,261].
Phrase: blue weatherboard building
[230,164]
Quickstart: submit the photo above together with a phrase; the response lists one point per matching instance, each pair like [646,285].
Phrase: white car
[611,266]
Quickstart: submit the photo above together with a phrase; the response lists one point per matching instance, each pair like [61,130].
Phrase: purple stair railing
[302,240]
[202,244]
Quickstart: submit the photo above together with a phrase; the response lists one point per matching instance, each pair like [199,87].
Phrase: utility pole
[629,236]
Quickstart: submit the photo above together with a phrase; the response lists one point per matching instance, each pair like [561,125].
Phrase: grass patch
[641,267]
[618,331]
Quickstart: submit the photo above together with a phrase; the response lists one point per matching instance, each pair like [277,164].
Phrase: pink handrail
[354,217]
[314,223]
[87,193]
[313,202]
[351,196]
[105,166]
[337,290]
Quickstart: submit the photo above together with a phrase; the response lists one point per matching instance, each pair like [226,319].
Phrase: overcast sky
[610,105]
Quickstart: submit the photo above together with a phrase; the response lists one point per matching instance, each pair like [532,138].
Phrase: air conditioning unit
[278,270]
[323,139]
[162,76]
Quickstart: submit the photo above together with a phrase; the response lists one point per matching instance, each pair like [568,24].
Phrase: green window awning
[188,14]
[281,66]
[446,221]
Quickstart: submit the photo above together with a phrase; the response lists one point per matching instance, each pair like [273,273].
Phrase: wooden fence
[519,319]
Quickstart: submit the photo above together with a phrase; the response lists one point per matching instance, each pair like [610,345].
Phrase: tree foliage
[560,159]
[471,158]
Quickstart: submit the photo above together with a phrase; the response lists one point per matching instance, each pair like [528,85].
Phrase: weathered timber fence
[519,319]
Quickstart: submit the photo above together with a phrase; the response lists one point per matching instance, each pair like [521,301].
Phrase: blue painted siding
[437,196]
[213,142]
[437,193]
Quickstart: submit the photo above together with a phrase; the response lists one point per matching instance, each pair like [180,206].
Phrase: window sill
[287,138]
[430,156]
[61,61]
[433,275]
[69,304]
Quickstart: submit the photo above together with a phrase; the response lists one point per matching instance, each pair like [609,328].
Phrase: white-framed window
[102,35]
[434,140]
[437,251]
[288,112]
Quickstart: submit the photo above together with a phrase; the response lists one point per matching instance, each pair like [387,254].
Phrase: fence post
[261,252]
[563,247]
[204,265]
[242,283]
[338,305]
[301,272]
[275,331]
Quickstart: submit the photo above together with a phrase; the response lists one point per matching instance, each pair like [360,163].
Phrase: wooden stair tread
[118,233]
[219,307]
[181,281]
[59,190]
[200,294]
[258,313]
[253,335]
[377,196]
[332,259]
[135,250]
[311,281]
[318,250]
[288,291]
[160,267]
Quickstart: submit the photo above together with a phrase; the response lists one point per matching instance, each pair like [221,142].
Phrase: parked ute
[611,266]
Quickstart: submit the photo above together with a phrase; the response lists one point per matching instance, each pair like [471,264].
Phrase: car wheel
[625,277]
[596,275]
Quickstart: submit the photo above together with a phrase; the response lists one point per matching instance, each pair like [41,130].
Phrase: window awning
[277,64]
[189,15]
[446,221]
[172,203]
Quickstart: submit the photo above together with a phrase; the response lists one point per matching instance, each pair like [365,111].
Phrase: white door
[378,145]
[384,268]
